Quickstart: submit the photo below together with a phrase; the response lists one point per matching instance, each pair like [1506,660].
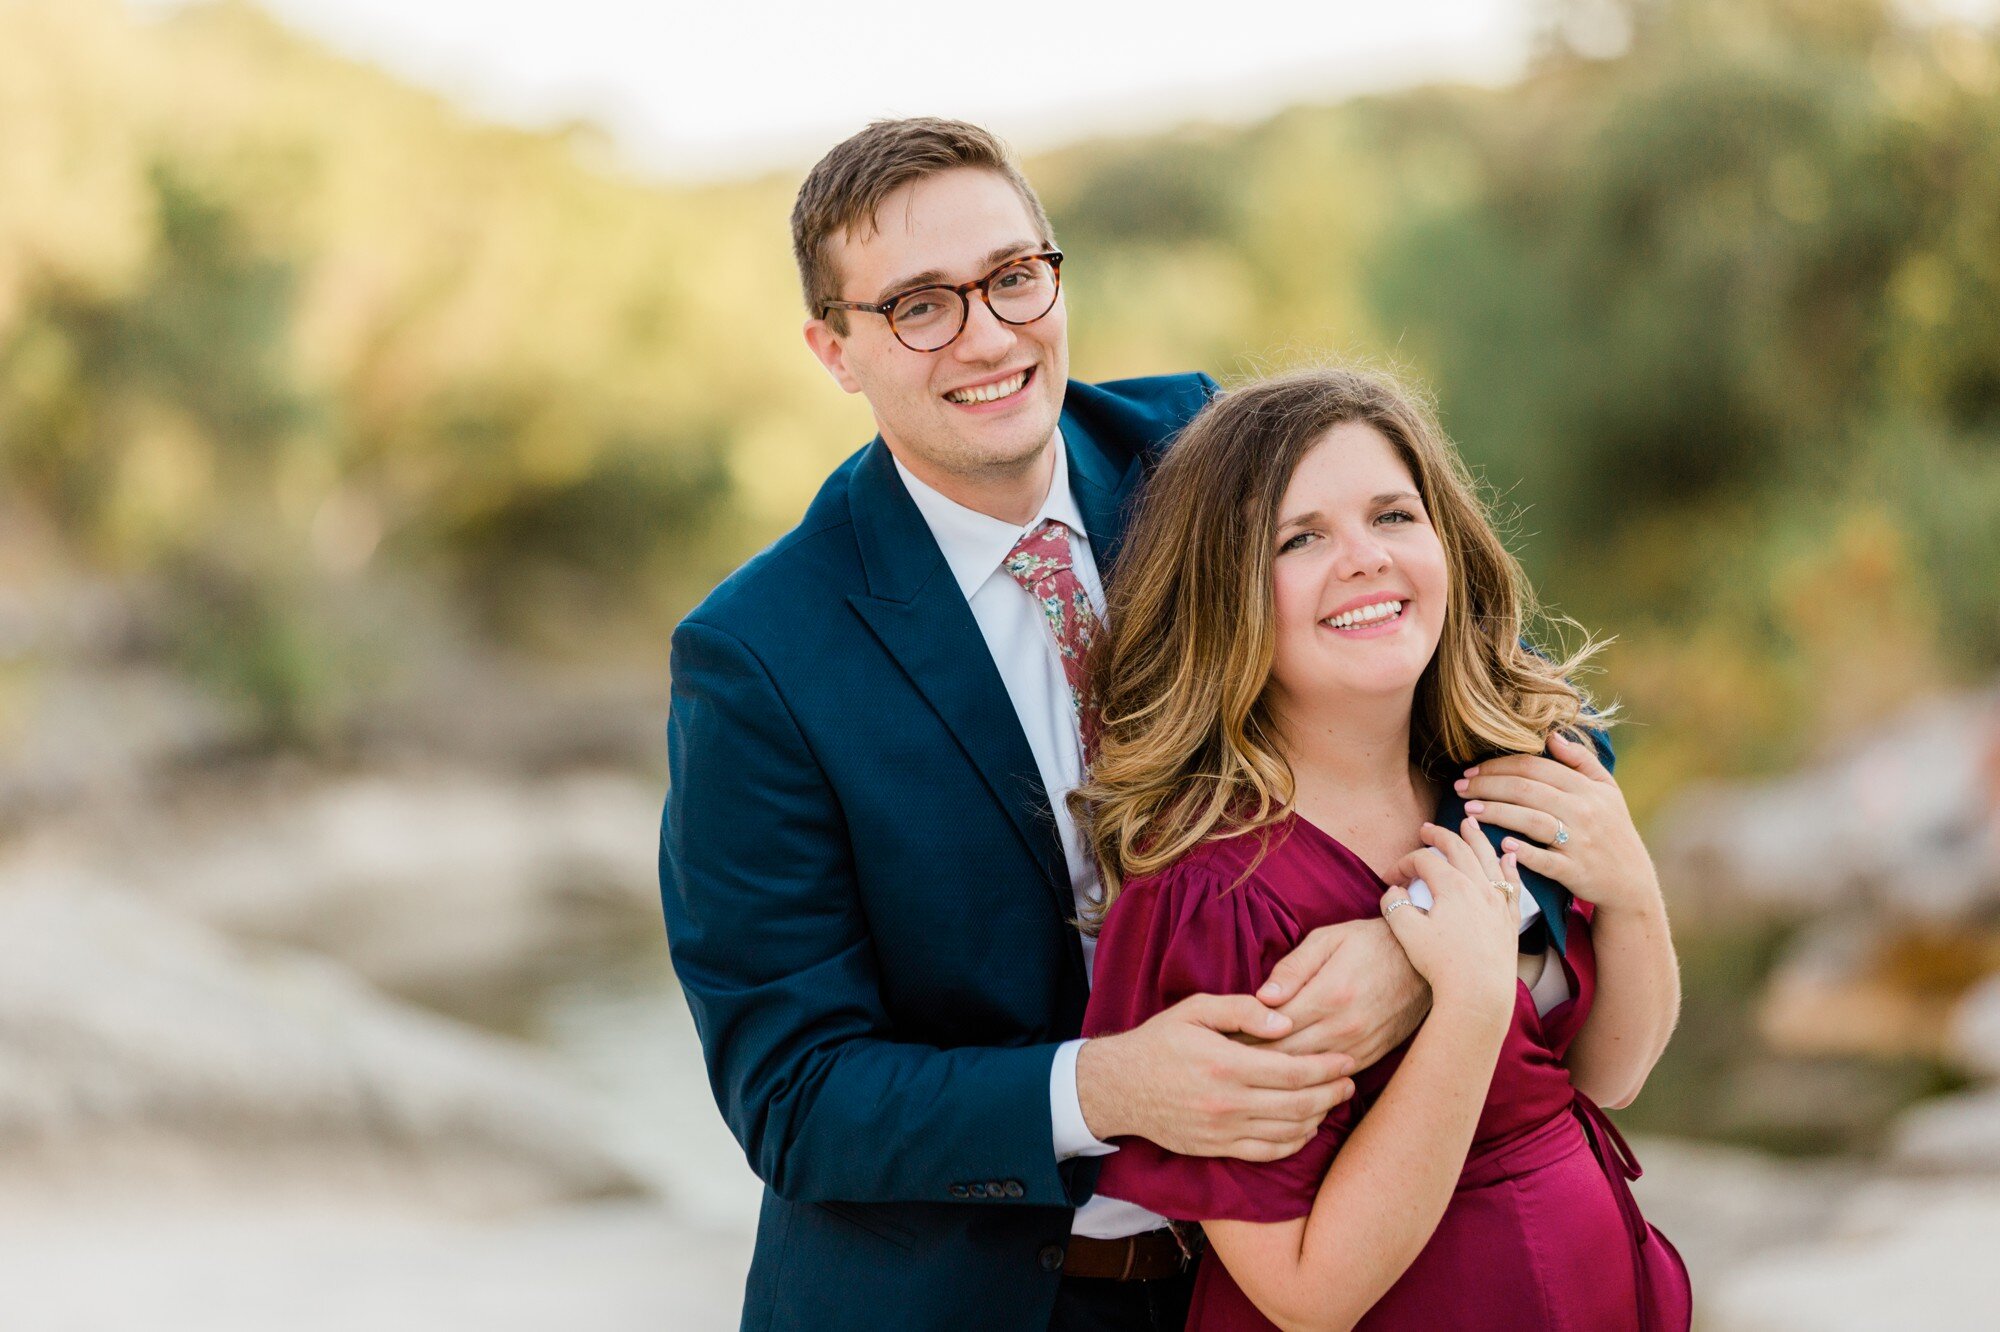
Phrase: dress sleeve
[1195,930]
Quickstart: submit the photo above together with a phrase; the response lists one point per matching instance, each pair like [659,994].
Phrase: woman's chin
[1351,693]
[1350,679]
[1391,675]
[1401,688]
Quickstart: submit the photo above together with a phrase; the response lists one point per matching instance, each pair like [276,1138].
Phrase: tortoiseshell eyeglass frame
[963,291]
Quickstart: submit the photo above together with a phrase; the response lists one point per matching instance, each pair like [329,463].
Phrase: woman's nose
[1362,556]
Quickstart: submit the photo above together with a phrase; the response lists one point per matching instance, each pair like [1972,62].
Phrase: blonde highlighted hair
[1188,747]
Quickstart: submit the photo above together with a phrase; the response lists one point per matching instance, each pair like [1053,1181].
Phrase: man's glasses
[927,319]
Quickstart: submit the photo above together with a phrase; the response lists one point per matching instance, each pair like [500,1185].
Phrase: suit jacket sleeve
[772,949]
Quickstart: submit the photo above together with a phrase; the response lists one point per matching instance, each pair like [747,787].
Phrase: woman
[1314,645]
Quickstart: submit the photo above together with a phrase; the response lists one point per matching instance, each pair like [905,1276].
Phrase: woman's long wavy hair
[1188,749]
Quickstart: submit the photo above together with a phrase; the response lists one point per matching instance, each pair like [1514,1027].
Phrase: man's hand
[1347,989]
[1180,1081]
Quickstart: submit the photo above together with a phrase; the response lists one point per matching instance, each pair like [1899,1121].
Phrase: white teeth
[989,392]
[1370,614]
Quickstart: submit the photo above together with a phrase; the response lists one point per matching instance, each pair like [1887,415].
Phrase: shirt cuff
[1073,1137]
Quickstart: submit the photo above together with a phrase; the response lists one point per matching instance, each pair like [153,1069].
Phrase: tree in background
[1711,297]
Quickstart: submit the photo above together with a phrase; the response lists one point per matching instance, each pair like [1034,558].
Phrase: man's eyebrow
[932,277]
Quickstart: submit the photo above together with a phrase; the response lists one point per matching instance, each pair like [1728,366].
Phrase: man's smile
[997,388]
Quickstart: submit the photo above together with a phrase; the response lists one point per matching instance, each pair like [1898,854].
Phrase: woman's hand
[1573,806]
[1466,945]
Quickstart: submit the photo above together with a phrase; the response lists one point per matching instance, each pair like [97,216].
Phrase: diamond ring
[1562,834]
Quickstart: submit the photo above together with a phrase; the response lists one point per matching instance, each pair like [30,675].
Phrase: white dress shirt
[1017,634]
[1548,984]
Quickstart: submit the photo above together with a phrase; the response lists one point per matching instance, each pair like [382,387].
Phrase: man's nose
[985,337]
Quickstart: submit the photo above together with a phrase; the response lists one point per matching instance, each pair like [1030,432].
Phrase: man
[868,870]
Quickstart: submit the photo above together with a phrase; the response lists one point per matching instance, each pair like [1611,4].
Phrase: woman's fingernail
[1508,861]
[1472,771]
[1276,1022]
[1461,785]
[1509,845]
[1475,806]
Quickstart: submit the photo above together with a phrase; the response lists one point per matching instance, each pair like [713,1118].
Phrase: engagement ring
[1562,833]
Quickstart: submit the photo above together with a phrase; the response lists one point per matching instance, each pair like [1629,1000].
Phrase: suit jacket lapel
[916,611]
[1103,483]
[1551,896]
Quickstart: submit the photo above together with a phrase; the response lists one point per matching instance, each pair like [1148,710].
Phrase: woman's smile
[1375,617]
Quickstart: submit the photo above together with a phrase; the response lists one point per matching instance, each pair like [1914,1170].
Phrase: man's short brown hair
[844,190]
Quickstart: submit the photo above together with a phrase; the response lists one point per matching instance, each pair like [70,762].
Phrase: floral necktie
[1042,563]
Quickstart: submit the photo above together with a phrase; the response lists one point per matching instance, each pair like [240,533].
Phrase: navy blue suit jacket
[867,903]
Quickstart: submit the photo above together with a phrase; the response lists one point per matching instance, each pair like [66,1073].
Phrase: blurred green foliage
[1711,298]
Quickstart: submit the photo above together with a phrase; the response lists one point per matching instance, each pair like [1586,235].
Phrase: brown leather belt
[1147,1257]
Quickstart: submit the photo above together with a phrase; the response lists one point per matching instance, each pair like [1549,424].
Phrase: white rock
[451,886]
[1974,1037]
[1904,823]
[1951,1134]
[137,1046]
[76,731]
[1724,1206]
[168,1265]
[1900,1255]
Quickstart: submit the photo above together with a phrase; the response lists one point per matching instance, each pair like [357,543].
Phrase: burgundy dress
[1542,1231]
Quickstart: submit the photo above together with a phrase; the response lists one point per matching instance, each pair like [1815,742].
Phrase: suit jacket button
[996,1190]
[1014,1190]
[960,1191]
[1051,1257]
[978,1190]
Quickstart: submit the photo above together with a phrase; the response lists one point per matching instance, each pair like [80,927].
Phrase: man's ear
[831,349]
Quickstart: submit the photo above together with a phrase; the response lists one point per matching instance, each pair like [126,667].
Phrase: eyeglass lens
[1019,293]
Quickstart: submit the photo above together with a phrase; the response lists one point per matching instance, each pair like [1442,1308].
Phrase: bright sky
[711,88]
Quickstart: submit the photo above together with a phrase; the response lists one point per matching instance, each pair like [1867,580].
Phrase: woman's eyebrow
[1386,497]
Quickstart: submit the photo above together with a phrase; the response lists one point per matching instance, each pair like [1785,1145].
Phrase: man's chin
[1009,443]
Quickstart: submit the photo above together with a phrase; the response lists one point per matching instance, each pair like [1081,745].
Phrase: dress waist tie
[1620,1168]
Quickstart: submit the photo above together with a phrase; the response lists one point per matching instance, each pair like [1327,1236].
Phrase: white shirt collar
[975,543]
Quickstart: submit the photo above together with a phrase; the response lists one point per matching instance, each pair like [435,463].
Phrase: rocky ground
[1884,858]
[205,1129]
[1773,1248]
[163,1265]
[277,1049]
